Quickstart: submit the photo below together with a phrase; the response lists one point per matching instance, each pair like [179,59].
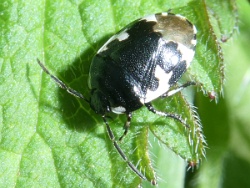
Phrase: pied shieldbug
[140,63]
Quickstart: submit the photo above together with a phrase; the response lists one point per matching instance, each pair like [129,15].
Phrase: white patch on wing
[139,94]
[104,47]
[150,18]
[123,35]
[118,109]
[193,42]
[164,14]
[195,30]
[170,56]
[187,54]
[180,16]
[163,87]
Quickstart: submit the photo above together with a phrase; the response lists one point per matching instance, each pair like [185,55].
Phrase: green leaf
[226,125]
[223,16]
[188,142]
[51,139]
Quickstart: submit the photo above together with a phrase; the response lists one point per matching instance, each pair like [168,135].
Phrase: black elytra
[137,65]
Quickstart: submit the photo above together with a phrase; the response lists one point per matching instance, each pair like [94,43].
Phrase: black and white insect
[137,65]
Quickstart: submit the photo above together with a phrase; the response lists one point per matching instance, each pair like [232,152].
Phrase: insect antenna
[61,84]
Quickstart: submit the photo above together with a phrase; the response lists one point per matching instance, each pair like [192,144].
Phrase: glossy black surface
[123,72]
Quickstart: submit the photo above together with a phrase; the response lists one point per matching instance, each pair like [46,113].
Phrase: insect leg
[61,84]
[176,90]
[164,114]
[122,154]
[126,125]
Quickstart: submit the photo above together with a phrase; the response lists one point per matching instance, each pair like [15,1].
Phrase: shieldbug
[137,65]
